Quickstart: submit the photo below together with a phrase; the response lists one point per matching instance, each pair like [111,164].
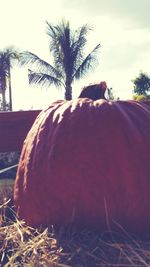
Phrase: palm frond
[87,64]
[54,32]
[78,44]
[79,38]
[40,65]
[59,43]
[43,79]
[66,55]
[51,30]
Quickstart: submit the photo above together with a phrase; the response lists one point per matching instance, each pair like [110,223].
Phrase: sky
[121,27]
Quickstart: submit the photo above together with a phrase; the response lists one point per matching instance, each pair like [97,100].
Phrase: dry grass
[21,245]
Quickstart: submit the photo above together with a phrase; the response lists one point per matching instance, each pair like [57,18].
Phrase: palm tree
[6,58]
[69,60]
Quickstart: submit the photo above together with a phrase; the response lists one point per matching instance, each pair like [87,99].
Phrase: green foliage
[142,84]
[141,97]
[69,60]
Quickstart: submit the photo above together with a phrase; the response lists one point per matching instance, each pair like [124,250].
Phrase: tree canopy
[142,84]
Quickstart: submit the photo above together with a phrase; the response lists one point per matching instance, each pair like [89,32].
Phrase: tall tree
[6,58]
[142,84]
[69,60]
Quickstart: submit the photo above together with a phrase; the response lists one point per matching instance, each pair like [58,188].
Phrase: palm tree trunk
[68,91]
[3,90]
[3,101]
[10,89]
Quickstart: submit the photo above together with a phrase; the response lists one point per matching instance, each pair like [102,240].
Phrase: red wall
[13,128]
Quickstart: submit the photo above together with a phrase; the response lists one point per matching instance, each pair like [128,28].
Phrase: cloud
[133,11]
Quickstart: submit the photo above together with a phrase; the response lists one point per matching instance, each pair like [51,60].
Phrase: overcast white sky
[121,27]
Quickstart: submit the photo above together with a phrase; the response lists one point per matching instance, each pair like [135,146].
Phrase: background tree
[69,60]
[6,58]
[110,94]
[142,84]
